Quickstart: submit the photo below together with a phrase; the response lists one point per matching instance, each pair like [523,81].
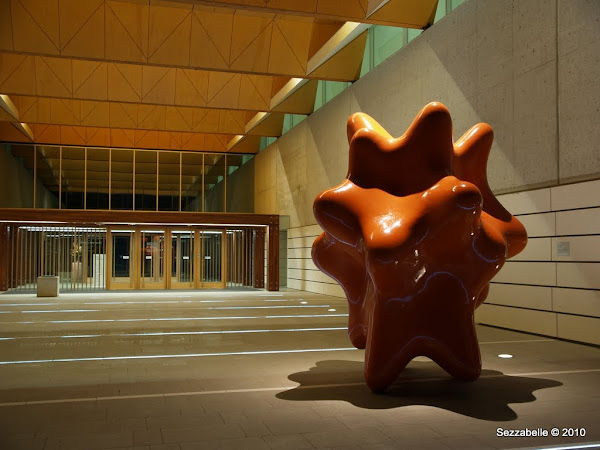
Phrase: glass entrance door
[212,259]
[122,260]
[152,259]
[167,258]
[182,259]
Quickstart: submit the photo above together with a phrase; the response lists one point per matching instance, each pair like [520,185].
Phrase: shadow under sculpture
[414,235]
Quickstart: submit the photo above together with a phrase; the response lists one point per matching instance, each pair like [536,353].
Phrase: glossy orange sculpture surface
[414,235]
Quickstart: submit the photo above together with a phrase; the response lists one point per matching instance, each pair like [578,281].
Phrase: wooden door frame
[182,285]
[110,284]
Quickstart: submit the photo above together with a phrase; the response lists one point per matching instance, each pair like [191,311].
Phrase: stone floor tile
[147,437]
[338,438]
[287,441]
[22,444]
[202,433]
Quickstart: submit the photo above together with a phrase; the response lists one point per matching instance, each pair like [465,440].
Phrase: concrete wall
[530,68]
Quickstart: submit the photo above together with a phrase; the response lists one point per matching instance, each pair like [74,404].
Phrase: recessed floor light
[505,356]
[303,303]
[331,309]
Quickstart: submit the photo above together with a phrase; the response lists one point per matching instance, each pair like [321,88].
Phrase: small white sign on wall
[563,248]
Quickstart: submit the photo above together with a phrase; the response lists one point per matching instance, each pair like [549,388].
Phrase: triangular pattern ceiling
[210,75]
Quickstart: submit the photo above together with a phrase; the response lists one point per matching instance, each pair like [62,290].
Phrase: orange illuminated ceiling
[178,74]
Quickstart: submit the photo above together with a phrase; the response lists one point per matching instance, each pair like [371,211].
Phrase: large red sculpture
[414,235]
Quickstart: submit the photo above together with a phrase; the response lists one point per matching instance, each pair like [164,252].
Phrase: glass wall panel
[182,259]
[456,3]
[97,179]
[367,62]
[168,181]
[191,182]
[412,33]
[16,169]
[387,41]
[240,183]
[214,182]
[333,88]
[326,90]
[145,180]
[73,178]
[291,120]
[152,258]
[121,194]
[443,8]
[48,170]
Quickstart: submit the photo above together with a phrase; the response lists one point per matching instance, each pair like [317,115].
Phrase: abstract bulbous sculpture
[414,235]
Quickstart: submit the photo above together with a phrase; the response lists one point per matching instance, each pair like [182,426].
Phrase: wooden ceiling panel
[120,137]
[266,124]
[90,79]
[124,82]
[10,133]
[81,28]
[129,115]
[346,62]
[299,100]
[5,116]
[169,36]
[53,76]
[289,45]
[35,26]
[211,42]
[350,8]
[126,31]
[158,85]
[95,113]
[180,74]
[6,32]
[405,13]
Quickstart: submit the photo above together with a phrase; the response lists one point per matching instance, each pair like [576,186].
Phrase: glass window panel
[145,180]
[97,179]
[265,141]
[333,88]
[17,176]
[121,168]
[73,177]
[456,3]
[214,182]
[412,33]
[291,120]
[320,97]
[48,169]
[240,183]
[191,182]
[168,181]
[441,10]
[387,41]
[367,62]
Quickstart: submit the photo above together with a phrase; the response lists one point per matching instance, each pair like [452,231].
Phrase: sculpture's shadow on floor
[421,383]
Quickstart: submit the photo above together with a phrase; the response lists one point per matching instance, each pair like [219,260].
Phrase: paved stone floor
[263,370]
